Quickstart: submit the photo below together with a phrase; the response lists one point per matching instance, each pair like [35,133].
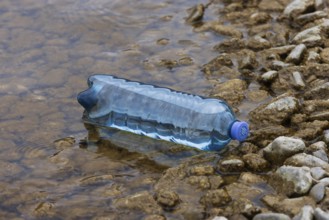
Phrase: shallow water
[48,48]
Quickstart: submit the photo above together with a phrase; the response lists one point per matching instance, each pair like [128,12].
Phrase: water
[48,48]
[206,124]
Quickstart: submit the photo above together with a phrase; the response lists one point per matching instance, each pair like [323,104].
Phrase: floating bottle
[161,113]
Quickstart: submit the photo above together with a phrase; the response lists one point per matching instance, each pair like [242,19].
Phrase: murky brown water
[48,48]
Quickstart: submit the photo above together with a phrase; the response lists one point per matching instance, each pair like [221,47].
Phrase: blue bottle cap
[239,130]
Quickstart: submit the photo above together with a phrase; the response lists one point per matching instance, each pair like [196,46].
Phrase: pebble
[319,4]
[300,176]
[298,80]
[326,136]
[313,57]
[195,14]
[321,154]
[306,213]
[304,159]
[275,112]
[318,173]
[202,170]
[282,148]
[296,54]
[325,55]
[311,36]
[305,18]
[319,92]
[297,7]
[167,198]
[272,216]
[258,43]
[319,214]
[217,197]
[255,162]
[231,165]
[278,65]
[318,191]
[269,76]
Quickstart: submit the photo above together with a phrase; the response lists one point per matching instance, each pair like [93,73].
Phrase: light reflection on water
[48,49]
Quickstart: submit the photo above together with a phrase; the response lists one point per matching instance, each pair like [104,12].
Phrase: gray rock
[304,159]
[305,214]
[231,165]
[219,218]
[296,54]
[269,76]
[305,18]
[282,148]
[318,173]
[319,4]
[311,36]
[320,214]
[298,80]
[318,191]
[278,65]
[300,176]
[321,154]
[272,216]
[313,57]
[297,7]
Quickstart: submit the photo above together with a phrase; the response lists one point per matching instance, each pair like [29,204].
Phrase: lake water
[48,48]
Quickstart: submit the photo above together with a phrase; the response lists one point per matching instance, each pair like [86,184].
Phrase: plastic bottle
[206,124]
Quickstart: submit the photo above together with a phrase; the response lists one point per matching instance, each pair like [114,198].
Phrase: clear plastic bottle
[161,113]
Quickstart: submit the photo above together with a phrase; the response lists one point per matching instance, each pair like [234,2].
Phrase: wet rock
[241,190]
[216,181]
[282,148]
[297,7]
[303,159]
[260,18]
[258,43]
[233,164]
[44,210]
[247,59]
[281,51]
[312,36]
[142,201]
[218,197]
[90,180]
[167,198]
[64,143]
[255,162]
[201,182]
[296,54]
[241,209]
[310,130]
[195,14]
[290,207]
[306,18]
[230,45]
[264,135]
[319,214]
[163,41]
[275,112]
[232,91]
[202,170]
[247,147]
[298,80]
[269,76]
[300,176]
[318,173]
[257,95]
[273,216]
[268,5]
[305,214]
[250,178]
[318,192]
[220,29]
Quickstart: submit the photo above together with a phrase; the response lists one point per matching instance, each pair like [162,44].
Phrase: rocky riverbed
[269,59]
[274,48]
